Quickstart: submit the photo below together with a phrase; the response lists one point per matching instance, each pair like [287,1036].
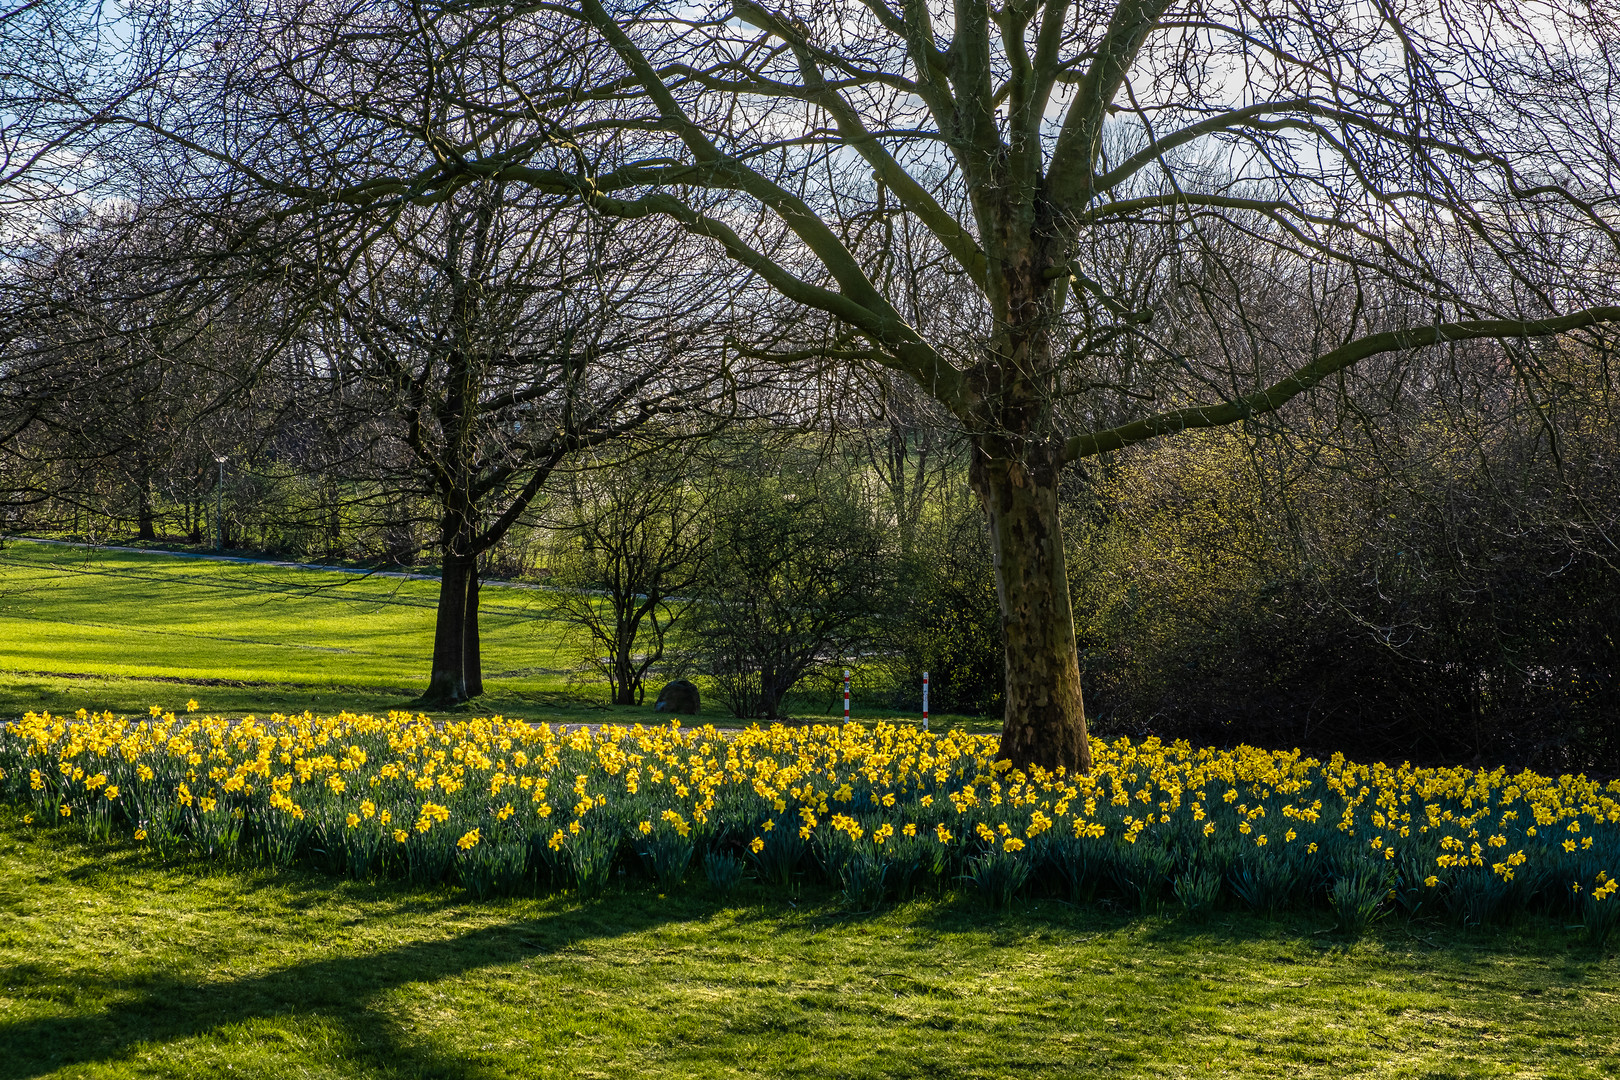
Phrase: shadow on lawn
[1561,958]
[342,992]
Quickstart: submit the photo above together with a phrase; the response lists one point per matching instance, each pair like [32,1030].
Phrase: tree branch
[1277,395]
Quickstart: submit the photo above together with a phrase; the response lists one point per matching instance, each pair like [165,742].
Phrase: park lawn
[114,965]
[122,630]
[97,629]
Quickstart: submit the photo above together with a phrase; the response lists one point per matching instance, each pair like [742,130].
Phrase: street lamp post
[219,504]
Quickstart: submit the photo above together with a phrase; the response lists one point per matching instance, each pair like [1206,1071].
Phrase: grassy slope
[310,639]
[98,629]
[111,965]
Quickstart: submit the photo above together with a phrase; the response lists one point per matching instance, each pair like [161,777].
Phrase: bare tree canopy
[1136,217]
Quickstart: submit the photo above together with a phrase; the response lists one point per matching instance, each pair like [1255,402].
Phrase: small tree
[950,627]
[797,576]
[634,537]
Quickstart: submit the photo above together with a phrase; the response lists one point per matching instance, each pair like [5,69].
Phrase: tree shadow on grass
[1534,936]
[344,991]
[1531,941]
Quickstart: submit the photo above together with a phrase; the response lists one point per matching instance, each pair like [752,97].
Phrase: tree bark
[1045,719]
[623,680]
[473,659]
[447,684]
[145,517]
[624,677]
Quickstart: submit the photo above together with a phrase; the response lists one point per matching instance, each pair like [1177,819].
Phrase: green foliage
[1598,917]
[1475,896]
[997,876]
[1413,895]
[1267,882]
[778,856]
[951,623]
[861,872]
[665,854]
[1359,900]
[1449,603]
[590,856]
[1198,889]
[494,869]
[430,859]
[1078,862]
[628,553]
[1142,871]
[915,864]
[723,871]
[799,575]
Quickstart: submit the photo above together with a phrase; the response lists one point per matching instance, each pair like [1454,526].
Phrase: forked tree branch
[1279,394]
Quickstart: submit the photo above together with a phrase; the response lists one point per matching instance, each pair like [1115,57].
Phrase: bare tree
[61,86]
[501,339]
[58,83]
[1091,183]
[123,373]
[911,452]
[636,532]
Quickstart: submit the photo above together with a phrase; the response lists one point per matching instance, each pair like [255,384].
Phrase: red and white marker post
[925,701]
[846,695]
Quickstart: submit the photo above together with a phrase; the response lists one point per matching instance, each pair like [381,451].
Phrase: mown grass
[122,631]
[114,965]
[149,616]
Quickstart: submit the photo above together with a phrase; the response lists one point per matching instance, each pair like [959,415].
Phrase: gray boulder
[679,696]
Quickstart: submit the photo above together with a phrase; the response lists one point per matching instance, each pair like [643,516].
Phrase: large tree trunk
[1045,720]
[473,662]
[457,673]
[624,635]
[447,684]
[1015,466]
[624,677]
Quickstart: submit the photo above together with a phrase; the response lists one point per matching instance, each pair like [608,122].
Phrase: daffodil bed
[505,807]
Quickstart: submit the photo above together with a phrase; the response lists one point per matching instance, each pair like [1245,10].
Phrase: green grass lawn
[123,631]
[113,965]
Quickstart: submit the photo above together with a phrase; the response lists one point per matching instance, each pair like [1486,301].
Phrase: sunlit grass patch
[115,964]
